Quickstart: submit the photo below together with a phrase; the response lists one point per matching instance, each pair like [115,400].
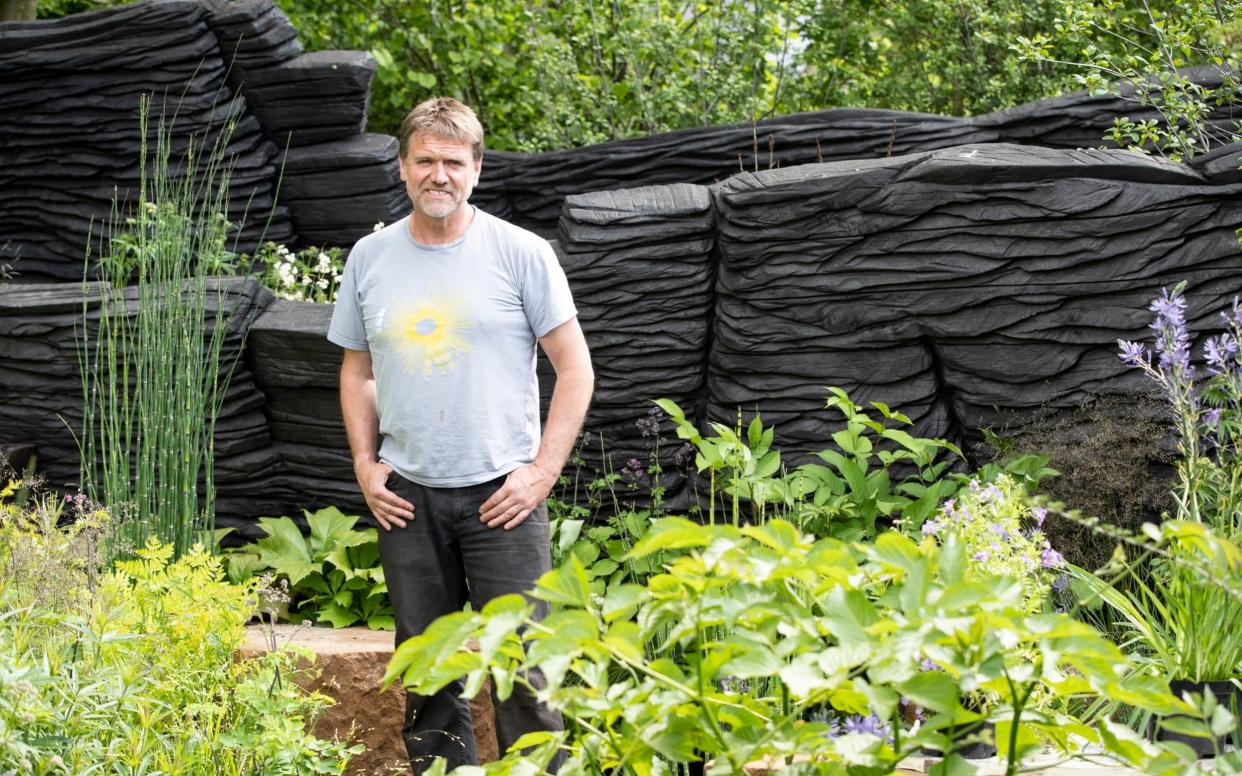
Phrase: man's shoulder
[512,234]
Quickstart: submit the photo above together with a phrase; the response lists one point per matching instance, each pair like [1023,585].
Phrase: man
[439,315]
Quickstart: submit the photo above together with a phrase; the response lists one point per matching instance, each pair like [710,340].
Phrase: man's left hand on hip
[525,488]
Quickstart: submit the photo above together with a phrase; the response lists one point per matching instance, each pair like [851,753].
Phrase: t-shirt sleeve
[545,292]
[347,328]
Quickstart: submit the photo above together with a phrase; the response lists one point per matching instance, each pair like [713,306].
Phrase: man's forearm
[361,418]
[570,399]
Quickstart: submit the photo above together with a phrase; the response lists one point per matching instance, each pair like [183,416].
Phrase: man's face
[439,174]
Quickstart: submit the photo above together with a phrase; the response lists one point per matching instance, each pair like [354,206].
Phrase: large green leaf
[285,550]
[330,528]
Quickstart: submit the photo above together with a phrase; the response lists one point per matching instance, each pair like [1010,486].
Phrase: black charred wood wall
[968,272]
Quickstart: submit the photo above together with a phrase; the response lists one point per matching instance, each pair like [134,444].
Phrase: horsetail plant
[150,353]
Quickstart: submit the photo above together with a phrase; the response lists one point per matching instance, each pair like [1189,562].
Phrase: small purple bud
[1040,514]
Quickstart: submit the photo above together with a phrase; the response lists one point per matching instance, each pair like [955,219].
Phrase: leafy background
[546,74]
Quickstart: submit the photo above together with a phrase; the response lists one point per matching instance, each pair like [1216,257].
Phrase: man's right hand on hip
[389,509]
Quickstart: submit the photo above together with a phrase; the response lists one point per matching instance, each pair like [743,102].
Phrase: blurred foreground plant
[736,653]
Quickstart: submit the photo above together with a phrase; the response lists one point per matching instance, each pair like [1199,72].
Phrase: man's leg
[423,569]
[499,562]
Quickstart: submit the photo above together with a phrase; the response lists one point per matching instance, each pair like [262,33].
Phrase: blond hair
[446,117]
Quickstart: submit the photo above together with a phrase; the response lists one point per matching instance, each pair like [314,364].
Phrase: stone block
[351,662]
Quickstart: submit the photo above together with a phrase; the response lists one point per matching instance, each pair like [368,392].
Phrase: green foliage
[1002,535]
[846,497]
[553,75]
[932,56]
[755,638]
[134,670]
[1141,51]
[308,275]
[334,575]
[546,74]
[1185,616]
[152,383]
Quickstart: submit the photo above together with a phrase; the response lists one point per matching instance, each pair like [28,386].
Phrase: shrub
[133,669]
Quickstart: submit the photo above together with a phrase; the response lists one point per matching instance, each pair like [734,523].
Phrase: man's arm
[358,408]
[528,486]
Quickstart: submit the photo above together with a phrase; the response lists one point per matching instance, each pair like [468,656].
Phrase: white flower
[284,271]
[378,226]
[325,263]
[306,280]
[322,283]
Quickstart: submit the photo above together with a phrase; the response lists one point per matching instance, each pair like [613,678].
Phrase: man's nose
[439,173]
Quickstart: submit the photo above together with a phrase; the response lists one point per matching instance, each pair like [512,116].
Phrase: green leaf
[567,584]
[953,765]
[933,690]
[621,601]
[284,550]
[755,660]
[671,533]
[568,533]
[384,622]
[1186,726]
[338,616]
[330,528]
[768,464]
[777,534]
[675,412]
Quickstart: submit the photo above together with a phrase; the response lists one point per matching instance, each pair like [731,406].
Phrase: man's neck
[438,231]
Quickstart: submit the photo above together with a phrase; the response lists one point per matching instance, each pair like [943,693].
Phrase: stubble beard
[438,207]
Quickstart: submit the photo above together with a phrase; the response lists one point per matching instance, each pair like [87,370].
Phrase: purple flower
[1218,351]
[1211,417]
[1051,559]
[650,425]
[1040,514]
[633,469]
[930,528]
[929,665]
[870,725]
[1172,337]
[1133,353]
[1061,583]
[1236,320]
[1000,531]
[981,555]
[683,454]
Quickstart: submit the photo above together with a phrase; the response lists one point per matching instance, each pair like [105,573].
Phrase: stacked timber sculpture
[966,271]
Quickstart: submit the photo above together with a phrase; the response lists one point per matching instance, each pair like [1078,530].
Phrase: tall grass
[152,382]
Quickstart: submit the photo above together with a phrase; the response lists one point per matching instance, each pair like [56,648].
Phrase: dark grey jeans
[443,558]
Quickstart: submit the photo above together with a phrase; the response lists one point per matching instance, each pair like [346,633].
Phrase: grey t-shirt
[452,331]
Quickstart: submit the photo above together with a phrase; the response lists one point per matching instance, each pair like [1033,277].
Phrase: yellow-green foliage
[132,670]
[1003,536]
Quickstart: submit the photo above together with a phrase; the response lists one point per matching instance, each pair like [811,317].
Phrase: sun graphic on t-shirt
[429,335]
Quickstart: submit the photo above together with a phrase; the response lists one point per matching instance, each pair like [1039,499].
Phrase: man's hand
[388,508]
[524,489]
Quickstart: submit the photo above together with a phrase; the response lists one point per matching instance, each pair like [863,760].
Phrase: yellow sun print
[430,335]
